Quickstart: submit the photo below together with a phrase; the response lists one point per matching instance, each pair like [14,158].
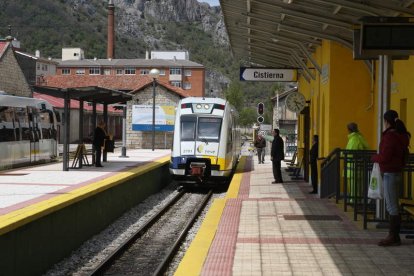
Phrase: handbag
[109,145]
[375,189]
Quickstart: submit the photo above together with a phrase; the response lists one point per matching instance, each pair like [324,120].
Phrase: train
[27,131]
[206,143]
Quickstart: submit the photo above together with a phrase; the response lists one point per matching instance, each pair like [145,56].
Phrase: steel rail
[174,248]
[107,262]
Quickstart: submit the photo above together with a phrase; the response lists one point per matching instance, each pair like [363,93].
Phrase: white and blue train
[27,131]
[207,142]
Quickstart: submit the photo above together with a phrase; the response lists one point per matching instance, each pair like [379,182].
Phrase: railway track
[151,248]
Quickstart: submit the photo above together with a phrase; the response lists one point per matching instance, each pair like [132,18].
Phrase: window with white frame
[107,71]
[80,71]
[65,71]
[187,72]
[175,71]
[129,71]
[119,71]
[176,83]
[144,71]
[162,72]
[94,71]
[186,85]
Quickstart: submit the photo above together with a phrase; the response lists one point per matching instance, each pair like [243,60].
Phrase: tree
[248,117]
[234,94]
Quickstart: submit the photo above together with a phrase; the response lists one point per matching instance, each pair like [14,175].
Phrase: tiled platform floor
[280,229]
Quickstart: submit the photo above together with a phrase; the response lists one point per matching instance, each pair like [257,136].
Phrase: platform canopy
[89,94]
[285,33]
[93,94]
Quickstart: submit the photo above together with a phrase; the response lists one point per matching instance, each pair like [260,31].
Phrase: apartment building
[174,69]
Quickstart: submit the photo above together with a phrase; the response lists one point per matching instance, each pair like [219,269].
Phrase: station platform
[262,228]
[48,210]
[27,194]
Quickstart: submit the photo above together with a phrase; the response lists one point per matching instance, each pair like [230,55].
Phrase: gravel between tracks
[85,258]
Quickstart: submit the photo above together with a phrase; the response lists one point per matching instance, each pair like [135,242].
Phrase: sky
[211,2]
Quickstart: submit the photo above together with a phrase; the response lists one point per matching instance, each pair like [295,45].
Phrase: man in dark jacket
[277,155]
[314,164]
[99,137]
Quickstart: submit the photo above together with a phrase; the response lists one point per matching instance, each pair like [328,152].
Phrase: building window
[144,71]
[129,71]
[107,71]
[162,72]
[44,67]
[187,72]
[176,83]
[94,71]
[187,85]
[175,71]
[65,71]
[119,71]
[80,71]
[38,66]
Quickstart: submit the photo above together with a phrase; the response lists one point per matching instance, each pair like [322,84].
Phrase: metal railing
[345,174]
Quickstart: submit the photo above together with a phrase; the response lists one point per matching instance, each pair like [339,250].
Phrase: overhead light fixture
[288,1]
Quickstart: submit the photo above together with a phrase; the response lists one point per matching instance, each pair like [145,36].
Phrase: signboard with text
[142,118]
[267,74]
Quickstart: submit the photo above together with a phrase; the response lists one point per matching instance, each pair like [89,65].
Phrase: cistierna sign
[267,74]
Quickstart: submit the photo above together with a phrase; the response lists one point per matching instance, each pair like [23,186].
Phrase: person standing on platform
[355,142]
[260,144]
[277,155]
[99,137]
[313,160]
[392,157]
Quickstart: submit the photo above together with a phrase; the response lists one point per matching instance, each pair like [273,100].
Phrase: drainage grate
[312,217]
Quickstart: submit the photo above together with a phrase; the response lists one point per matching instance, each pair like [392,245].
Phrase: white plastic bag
[375,189]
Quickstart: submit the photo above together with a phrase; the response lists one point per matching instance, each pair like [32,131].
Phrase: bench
[291,165]
[407,206]
[295,175]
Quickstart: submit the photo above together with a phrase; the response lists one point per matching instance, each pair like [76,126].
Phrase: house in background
[12,79]
[285,120]
[34,67]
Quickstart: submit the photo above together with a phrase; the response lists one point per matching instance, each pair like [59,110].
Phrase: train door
[35,134]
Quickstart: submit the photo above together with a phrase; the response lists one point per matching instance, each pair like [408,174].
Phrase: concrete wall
[35,247]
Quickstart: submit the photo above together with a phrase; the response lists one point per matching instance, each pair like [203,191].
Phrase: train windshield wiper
[204,140]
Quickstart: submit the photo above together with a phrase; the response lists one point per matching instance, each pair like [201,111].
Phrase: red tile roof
[74,104]
[3,47]
[132,83]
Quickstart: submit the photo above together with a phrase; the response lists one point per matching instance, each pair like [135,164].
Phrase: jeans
[391,183]
[261,154]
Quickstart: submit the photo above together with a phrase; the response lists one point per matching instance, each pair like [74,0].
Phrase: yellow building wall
[402,92]
[350,97]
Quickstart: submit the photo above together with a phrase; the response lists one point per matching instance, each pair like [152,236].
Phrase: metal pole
[124,115]
[66,131]
[153,114]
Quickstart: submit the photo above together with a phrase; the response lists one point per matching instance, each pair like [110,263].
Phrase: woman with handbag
[393,151]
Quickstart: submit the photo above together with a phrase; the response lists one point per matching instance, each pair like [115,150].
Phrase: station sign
[267,74]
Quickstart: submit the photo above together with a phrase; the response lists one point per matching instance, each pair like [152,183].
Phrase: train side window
[45,124]
[23,123]
[6,124]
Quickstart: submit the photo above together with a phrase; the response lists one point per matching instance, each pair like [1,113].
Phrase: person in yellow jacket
[355,142]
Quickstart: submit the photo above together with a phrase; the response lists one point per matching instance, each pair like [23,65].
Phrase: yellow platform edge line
[18,218]
[194,258]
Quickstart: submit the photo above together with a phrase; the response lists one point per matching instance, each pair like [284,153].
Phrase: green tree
[248,117]
[234,94]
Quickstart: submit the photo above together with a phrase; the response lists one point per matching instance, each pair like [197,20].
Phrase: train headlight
[198,106]
[206,106]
